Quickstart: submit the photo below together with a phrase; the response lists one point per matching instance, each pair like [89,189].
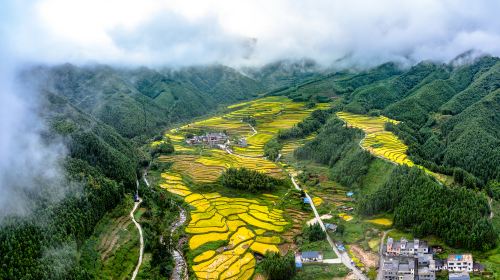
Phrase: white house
[311,256]
[462,262]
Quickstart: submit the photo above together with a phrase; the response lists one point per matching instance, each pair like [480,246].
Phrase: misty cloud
[29,166]
[175,32]
[173,38]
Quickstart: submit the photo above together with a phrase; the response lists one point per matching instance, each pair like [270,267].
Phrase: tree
[277,267]
[315,233]
[249,180]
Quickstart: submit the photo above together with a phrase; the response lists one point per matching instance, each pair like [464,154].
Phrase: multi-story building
[405,247]
[398,269]
[426,273]
[461,262]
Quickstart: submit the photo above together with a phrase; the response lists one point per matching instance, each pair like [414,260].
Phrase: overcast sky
[184,32]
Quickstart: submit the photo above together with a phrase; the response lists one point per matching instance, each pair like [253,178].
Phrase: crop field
[382,143]
[381,221]
[271,114]
[225,232]
[378,141]
[207,168]
[246,225]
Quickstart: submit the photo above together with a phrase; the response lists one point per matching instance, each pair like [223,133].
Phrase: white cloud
[196,32]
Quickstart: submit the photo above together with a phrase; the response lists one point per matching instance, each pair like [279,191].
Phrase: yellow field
[378,141]
[246,225]
[240,221]
[345,217]
[382,143]
[381,221]
[317,201]
[271,113]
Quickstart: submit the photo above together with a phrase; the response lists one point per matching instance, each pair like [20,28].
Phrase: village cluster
[215,140]
[405,260]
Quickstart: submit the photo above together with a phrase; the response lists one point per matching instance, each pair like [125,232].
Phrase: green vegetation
[315,233]
[321,272]
[305,127]
[249,180]
[272,149]
[459,216]
[277,267]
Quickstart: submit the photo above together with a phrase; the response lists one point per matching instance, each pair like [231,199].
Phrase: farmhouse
[405,247]
[462,262]
[406,268]
[243,142]
[311,256]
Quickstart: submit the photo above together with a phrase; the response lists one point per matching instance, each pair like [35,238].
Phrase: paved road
[344,257]
[141,239]
[381,254]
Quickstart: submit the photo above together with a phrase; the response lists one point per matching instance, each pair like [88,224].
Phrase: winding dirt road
[141,239]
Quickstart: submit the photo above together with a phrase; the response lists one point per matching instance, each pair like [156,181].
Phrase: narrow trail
[490,201]
[381,254]
[229,151]
[254,130]
[141,249]
[180,270]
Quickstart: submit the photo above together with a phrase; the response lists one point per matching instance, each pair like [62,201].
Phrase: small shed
[298,261]
[349,194]
[307,200]
[243,142]
[331,227]
[459,276]
[477,267]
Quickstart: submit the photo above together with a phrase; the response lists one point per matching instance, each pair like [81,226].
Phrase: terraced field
[225,232]
[271,113]
[246,225]
[384,144]
[378,141]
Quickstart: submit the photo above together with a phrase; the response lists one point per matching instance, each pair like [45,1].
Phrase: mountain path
[141,239]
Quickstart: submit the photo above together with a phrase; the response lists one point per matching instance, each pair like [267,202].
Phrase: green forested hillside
[138,102]
[99,169]
[449,112]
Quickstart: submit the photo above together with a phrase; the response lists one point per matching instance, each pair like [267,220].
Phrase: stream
[180,269]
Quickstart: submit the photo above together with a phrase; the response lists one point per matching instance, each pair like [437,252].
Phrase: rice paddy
[378,141]
[271,113]
[240,227]
[381,143]
[381,221]
[246,224]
